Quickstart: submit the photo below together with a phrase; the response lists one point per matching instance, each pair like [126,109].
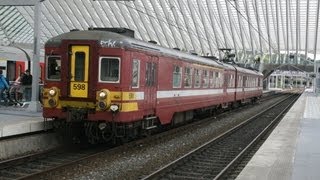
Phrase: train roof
[110,39]
[244,70]
[115,40]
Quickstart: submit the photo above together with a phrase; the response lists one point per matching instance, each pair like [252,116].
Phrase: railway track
[214,159]
[36,165]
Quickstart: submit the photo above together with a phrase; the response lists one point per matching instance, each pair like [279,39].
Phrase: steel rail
[163,169]
[254,141]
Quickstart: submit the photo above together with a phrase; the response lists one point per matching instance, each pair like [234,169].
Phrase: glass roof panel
[200,25]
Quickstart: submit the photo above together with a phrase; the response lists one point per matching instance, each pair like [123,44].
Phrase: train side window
[211,79]
[220,79]
[109,69]
[244,81]
[135,73]
[151,74]
[53,67]
[231,81]
[227,80]
[260,82]
[217,80]
[187,77]
[205,79]
[197,78]
[148,74]
[177,75]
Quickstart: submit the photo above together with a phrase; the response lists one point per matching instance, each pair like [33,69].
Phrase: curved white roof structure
[204,26]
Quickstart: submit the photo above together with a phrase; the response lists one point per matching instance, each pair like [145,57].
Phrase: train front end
[82,83]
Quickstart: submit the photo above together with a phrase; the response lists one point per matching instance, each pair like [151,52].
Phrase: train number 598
[79,86]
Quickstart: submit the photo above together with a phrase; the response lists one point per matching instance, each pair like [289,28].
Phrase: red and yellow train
[116,86]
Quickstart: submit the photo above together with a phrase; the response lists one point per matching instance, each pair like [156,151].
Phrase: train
[115,87]
[15,61]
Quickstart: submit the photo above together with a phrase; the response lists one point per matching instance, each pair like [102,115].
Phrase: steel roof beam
[258,23]
[176,36]
[291,27]
[145,23]
[231,26]
[164,24]
[203,18]
[278,31]
[161,35]
[211,16]
[316,34]
[287,27]
[129,20]
[253,26]
[176,20]
[160,39]
[307,30]
[297,30]
[274,23]
[194,16]
[249,25]
[221,23]
[241,30]
[283,30]
[135,16]
[268,30]
[19,2]
[191,34]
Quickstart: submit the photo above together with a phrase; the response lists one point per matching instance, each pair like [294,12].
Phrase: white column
[34,105]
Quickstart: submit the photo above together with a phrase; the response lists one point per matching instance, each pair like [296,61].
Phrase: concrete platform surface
[292,151]
[16,120]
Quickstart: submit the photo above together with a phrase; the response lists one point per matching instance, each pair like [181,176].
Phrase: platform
[15,120]
[292,151]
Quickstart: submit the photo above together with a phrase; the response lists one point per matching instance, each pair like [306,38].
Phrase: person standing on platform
[26,83]
[3,86]
[16,89]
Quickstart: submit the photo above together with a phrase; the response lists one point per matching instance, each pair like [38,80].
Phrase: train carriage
[249,85]
[245,84]
[118,86]
[15,61]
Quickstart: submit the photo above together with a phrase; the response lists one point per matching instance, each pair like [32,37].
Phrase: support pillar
[35,105]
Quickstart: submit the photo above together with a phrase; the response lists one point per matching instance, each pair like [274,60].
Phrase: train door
[79,71]
[150,89]
[11,70]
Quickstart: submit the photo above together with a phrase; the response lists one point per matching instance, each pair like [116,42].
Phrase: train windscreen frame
[109,69]
[53,71]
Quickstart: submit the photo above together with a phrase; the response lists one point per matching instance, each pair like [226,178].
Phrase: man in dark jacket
[26,83]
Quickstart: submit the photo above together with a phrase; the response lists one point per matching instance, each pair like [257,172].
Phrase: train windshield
[53,67]
[109,69]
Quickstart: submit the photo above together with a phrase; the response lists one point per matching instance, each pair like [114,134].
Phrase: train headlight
[102,95]
[114,108]
[102,126]
[102,105]
[52,92]
[52,102]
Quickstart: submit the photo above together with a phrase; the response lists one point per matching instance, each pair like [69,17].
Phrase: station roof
[203,26]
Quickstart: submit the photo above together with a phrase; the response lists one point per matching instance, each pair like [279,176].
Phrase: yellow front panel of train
[79,71]
[79,89]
